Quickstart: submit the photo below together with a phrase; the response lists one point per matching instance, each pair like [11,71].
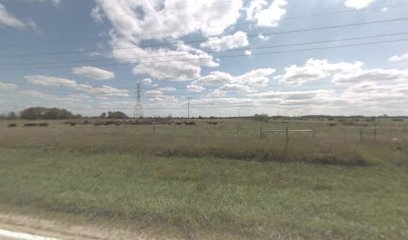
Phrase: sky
[224,57]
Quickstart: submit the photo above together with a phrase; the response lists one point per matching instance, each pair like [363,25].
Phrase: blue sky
[232,57]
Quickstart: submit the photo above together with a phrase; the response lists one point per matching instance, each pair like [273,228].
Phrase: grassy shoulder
[200,197]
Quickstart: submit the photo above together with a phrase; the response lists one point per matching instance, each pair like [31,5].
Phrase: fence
[286,131]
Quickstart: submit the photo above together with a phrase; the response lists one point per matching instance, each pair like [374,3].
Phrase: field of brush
[346,180]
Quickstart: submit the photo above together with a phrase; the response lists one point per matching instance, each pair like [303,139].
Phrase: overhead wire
[215,52]
[253,35]
[221,57]
[284,51]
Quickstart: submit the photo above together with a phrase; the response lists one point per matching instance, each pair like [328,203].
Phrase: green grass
[120,176]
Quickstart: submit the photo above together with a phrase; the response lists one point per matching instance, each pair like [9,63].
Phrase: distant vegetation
[43,113]
[114,115]
[34,113]
[261,117]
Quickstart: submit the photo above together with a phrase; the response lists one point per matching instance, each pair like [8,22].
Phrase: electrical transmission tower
[138,112]
[188,107]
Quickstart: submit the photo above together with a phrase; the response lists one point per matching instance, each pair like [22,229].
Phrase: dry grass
[200,186]
[229,139]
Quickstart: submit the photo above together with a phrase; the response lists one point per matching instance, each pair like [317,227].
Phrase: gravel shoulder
[63,231]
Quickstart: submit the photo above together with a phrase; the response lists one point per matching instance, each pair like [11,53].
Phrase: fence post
[375,133]
[195,130]
[287,143]
[214,130]
[260,133]
[174,129]
[238,130]
[154,129]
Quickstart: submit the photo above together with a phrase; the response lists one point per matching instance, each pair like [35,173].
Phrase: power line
[227,50]
[236,55]
[237,24]
[298,30]
[204,40]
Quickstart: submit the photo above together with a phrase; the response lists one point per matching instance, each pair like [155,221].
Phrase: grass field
[213,182]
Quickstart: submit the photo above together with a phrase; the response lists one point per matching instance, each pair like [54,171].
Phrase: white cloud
[97,15]
[214,100]
[182,64]
[255,78]
[215,78]
[159,96]
[135,21]
[7,86]
[358,4]
[194,88]
[291,95]
[167,89]
[157,19]
[248,52]
[375,74]
[266,15]
[244,83]
[316,69]
[37,94]
[9,20]
[296,98]
[217,93]
[53,2]
[93,73]
[172,70]
[340,72]
[376,93]
[235,87]
[51,81]
[399,58]
[258,78]
[68,83]
[237,40]
[147,81]
[154,93]
[106,91]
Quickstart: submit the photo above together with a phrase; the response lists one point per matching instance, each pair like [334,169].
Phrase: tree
[34,113]
[117,115]
[103,115]
[55,113]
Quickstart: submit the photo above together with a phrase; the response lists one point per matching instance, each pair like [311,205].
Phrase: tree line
[42,113]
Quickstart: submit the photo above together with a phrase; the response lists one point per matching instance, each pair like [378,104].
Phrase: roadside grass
[197,185]
[194,197]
